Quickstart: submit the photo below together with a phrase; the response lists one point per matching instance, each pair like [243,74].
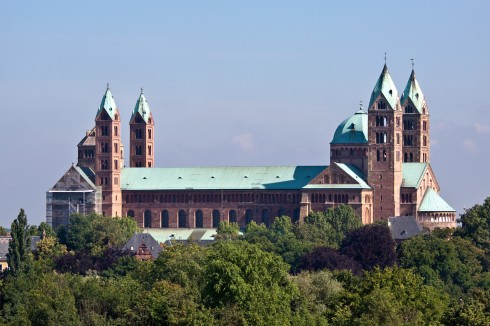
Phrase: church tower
[108,155]
[416,147]
[385,147]
[142,135]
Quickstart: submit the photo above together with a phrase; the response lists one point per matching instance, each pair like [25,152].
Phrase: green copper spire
[142,108]
[108,104]
[386,87]
[414,93]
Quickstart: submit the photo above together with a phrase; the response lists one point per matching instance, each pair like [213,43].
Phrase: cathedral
[379,165]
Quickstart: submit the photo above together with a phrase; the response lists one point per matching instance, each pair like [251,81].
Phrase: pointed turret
[384,155]
[108,155]
[416,147]
[141,108]
[142,140]
[107,104]
[413,92]
[385,87]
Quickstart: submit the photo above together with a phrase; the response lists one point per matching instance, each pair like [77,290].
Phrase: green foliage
[3,231]
[476,225]
[19,257]
[453,264]
[396,296]
[330,227]
[33,299]
[242,275]
[96,232]
[227,231]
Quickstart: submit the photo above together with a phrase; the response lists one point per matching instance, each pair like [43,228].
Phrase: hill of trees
[329,270]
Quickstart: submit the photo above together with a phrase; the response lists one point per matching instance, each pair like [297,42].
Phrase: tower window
[137,150]
[149,150]
[381,105]
[115,131]
[424,125]
[378,155]
[115,148]
[138,134]
[384,155]
[149,133]
[115,164]
[104,130]
[425,141]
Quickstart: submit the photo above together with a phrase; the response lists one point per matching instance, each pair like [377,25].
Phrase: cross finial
[385,58]
[360,104]
[107,85]
[413,64]
[141,90]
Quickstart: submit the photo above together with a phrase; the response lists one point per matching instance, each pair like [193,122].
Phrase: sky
[236,82]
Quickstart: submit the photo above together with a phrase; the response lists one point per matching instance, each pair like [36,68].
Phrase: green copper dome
[353,130]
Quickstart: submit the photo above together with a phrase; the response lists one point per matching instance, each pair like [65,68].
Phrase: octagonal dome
[353,130]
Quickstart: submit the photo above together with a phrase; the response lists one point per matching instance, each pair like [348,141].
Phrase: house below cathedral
[380,166]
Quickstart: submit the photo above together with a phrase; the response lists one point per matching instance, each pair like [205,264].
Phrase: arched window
[199,219]
[296,215]
[232,216]
[249,216]
[130,213]
[216,218]
[281,212]
[265,217]
[147,219]
[165,222]
[182,219]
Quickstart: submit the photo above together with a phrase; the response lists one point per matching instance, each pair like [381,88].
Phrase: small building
[143,246]
[404,227]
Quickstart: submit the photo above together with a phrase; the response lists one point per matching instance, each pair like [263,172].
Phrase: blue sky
[236,83]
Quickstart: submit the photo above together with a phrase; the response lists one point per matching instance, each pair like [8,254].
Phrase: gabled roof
[207,178]
[108,104]
[69,182]
[432,202]
[142,108]
[182,234]
[414,93]
[143,238]
[386,87]
[353,130]
[413,174]
[89,139]
[404,227]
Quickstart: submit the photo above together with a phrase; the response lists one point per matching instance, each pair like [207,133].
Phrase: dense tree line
[328,270]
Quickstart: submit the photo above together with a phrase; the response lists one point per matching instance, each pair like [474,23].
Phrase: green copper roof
[413,173]
[142,108]
[414,93]
[204,178]
[432,202]
[108,104]
[353,130]
[386,87]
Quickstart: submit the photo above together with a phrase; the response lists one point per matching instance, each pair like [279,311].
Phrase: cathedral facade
[379,165]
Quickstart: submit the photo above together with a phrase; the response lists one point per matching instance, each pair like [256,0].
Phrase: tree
[3,231]
[396,296]
[371,246]
[475,225]
[330,227]
[227,231]
[256,282]
[454,264]
[19,256]
[328,258]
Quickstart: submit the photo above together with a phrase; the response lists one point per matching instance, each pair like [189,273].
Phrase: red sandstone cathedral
[379,165]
